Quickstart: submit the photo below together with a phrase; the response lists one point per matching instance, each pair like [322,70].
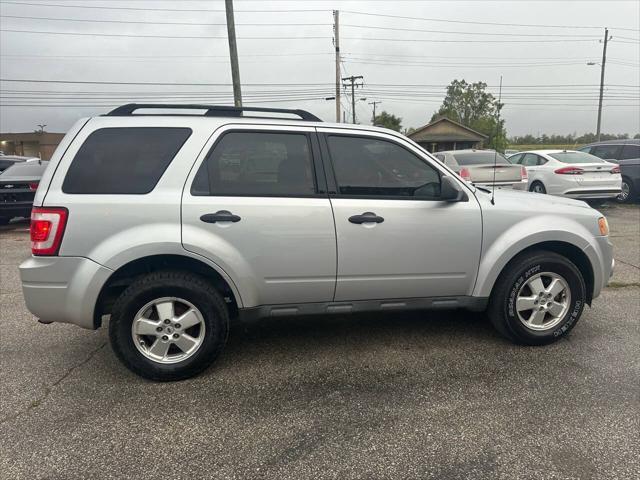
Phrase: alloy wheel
[168,330]
[543,301]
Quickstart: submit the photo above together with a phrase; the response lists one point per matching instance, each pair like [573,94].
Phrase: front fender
[498,250]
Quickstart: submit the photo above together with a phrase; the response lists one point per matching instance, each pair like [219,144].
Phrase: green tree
[637,136]
[471,105]
[388,120]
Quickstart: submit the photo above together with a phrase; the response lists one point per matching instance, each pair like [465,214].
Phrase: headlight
[603,225]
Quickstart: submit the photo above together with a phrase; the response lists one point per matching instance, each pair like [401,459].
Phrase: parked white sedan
[571,174]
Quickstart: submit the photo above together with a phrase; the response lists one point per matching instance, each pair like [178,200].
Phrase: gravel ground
[421,395]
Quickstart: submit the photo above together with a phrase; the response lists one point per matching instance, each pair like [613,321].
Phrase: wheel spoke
[159,348]
[537,317]
[556,309]
[536,285]
[144,326]
[188,319]
[165,310]
[525,303]
[555,287]
[185,342]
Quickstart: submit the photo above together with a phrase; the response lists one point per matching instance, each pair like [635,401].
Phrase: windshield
[480,158]
[25,169]
[576,157]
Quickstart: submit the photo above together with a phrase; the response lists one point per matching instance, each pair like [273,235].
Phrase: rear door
[255,203]
[396,238]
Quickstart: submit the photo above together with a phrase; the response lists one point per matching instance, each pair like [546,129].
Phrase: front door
[395,238]
[254,206]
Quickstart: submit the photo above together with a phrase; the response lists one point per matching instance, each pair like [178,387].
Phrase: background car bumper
[63,289]
[593,193]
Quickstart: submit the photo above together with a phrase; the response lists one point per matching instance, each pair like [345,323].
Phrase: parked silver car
[485,168]
[174,226]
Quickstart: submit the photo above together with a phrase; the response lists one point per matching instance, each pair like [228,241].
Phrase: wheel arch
[564,248]
[123,276]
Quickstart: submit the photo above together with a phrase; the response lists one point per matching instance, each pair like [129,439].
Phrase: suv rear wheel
[538,298]
[169,325]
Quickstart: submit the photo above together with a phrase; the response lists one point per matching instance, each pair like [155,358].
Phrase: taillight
[569,171]
[47,228]
[524,175]
[33,186]
[615,169]
[465,174]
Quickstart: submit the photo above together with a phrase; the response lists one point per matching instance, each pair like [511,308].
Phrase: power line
[571,40]
[511,34]
[198,37]
[137,9]
[139,22]
[469,22]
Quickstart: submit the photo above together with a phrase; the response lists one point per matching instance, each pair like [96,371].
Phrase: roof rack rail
[211,110]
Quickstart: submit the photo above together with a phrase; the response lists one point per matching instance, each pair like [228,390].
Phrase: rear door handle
[220,216]
[366,217]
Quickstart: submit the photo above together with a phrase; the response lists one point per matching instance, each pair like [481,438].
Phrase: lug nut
[165,338]
[178,325]
[175,335]
[167,321]
[158,329]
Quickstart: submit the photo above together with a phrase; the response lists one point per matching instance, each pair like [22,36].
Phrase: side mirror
[450,191]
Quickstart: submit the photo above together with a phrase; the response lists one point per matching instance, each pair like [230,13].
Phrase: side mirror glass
[450,191]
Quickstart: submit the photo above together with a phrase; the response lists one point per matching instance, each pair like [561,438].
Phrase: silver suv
[174,225]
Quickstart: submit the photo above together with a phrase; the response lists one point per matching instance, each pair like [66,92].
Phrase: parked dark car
[18,185]
[7,160]
[626,153]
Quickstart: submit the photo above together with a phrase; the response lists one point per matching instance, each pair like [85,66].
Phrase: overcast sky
[548,86]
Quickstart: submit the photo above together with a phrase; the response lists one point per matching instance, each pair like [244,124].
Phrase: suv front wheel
[538,298]
[168,325]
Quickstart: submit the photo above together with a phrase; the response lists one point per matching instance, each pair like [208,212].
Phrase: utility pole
[374,103]
[336,42]
[233,53]
[604,59]
[353,79]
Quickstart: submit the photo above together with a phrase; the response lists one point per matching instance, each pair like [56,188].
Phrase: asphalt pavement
[420,395]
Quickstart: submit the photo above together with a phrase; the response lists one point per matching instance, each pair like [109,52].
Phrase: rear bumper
[592,193]
[521,185]
[63,289]
[15,209]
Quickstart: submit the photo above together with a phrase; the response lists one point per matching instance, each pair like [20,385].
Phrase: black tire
[187,286]
[535,184]
[5,220]
[501,308]
[631,191]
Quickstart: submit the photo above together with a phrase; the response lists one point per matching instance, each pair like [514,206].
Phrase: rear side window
[606,152]
[123,160]
[257,164]
[630,151]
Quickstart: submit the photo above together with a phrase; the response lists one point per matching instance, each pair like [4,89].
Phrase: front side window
[123,160]
[517,158]
[367,166]
[257,164]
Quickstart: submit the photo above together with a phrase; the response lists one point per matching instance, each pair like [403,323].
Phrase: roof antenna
[495,149]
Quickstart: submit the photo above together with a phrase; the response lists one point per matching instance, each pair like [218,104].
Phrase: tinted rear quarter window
[123,160]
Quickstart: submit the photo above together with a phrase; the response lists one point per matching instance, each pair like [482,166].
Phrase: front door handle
[366,217]
[220,216]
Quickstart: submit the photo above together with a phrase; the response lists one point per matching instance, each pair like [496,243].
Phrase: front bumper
[63,289]
[602,261]
[15,209]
